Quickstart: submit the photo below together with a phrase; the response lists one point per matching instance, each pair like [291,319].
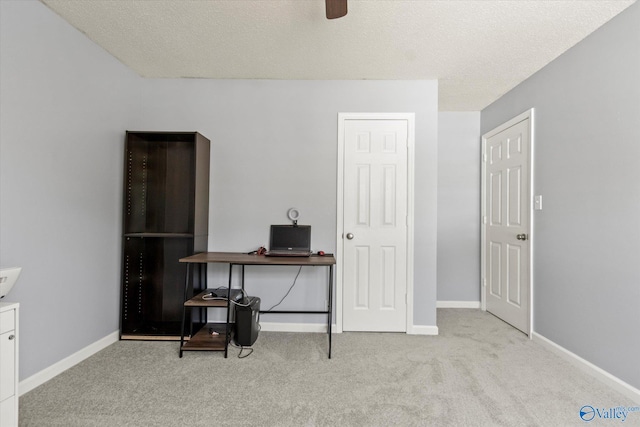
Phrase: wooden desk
[242,260]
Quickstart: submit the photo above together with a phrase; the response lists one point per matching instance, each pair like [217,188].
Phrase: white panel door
[375,225]
[507,225]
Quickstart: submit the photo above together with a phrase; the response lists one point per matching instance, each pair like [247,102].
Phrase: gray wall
[64,104]
[459,206]
[274,146]
[587,238]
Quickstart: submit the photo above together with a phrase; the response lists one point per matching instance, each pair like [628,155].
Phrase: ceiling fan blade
[336,8]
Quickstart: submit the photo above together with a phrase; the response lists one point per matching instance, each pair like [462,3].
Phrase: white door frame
[529,114]
[410,118]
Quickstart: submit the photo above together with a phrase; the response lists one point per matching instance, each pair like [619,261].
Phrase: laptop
[290,240]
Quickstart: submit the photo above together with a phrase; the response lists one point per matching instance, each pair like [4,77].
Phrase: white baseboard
[295,327]
[422,330]
[612,381]
[322,327]
[46,374]
[458,304]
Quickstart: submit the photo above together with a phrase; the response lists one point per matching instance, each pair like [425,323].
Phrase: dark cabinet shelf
[165,218]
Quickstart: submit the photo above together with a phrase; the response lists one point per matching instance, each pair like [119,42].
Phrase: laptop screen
[290,238]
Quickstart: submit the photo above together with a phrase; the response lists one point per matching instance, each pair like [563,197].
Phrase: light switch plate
[537,203]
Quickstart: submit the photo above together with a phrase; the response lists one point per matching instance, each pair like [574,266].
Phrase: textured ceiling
[478,49]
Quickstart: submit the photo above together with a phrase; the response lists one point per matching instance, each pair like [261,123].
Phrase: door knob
[349,236]
[521,237]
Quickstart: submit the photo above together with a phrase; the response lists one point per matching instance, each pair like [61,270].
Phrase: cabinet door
[8,416]
[7,365]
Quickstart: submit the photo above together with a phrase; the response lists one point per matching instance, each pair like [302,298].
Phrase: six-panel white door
[507,228]
[375,225]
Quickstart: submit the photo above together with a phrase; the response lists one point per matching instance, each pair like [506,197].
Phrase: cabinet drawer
[7,321]
[8,415]
[7,366]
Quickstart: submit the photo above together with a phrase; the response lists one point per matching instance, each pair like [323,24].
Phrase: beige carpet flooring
[478,372]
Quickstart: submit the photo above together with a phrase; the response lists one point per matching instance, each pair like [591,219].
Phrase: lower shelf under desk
[203,340]
[221,301]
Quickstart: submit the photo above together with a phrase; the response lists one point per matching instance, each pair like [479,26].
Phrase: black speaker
[247,321]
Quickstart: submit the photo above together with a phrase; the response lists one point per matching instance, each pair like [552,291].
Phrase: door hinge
[484,158]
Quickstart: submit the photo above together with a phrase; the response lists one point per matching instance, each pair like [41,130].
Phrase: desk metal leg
[228,329]
[184,309]
[329,309]
[204,276]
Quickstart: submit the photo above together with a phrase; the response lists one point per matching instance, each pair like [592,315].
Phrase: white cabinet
[9,364]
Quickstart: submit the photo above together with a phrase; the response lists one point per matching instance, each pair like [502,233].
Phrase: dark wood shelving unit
[165,218]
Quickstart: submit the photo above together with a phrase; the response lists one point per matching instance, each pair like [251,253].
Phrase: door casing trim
[529,114]
[410,118]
